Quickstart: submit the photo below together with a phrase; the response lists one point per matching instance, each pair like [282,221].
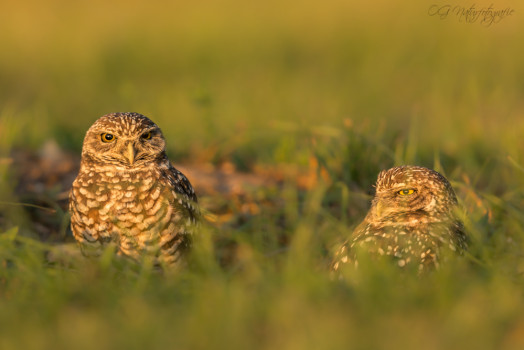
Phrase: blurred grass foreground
[300,102]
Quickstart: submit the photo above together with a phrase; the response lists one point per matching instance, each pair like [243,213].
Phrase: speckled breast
[135,210]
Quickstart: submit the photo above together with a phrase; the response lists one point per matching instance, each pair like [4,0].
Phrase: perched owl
[412,219]
[128,194]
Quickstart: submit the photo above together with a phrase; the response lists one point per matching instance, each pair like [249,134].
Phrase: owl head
[123,139]
[412,194]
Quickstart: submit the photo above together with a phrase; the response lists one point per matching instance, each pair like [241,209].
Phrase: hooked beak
[379,208]
[131,153]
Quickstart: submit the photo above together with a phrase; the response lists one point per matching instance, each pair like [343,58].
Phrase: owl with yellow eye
[412,220]
[128,194]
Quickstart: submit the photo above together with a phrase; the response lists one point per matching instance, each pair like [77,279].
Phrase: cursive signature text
[486,16]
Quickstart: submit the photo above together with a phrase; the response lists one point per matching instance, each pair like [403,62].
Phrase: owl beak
[131,153]
[379,209]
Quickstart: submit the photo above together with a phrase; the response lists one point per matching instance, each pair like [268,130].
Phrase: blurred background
[234,75]
[284,98]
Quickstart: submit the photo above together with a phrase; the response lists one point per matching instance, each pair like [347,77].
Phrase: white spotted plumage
[127,192]
[412,219]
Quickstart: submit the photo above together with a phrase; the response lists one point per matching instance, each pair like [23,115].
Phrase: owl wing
[344,253]
[184,191]
[459,236]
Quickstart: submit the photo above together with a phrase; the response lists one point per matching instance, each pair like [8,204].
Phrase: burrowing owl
[412,219]
[127,192]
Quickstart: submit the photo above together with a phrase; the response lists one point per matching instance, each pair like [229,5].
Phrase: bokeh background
[299,104]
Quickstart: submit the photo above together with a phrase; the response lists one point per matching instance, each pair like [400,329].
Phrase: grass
[333,90]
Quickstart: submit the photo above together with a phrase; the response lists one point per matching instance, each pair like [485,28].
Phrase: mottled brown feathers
[127,192]
[412,219]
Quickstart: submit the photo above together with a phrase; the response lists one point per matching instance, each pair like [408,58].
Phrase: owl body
[412,220]
[128,194]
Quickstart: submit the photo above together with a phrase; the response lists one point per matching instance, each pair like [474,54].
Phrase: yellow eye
[107,137]
[406,192]
[147,135]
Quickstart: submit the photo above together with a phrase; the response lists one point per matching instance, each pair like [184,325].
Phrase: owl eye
[107,137]
[147,135]
[406,192]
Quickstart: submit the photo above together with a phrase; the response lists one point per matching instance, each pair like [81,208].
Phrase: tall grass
[337,89]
